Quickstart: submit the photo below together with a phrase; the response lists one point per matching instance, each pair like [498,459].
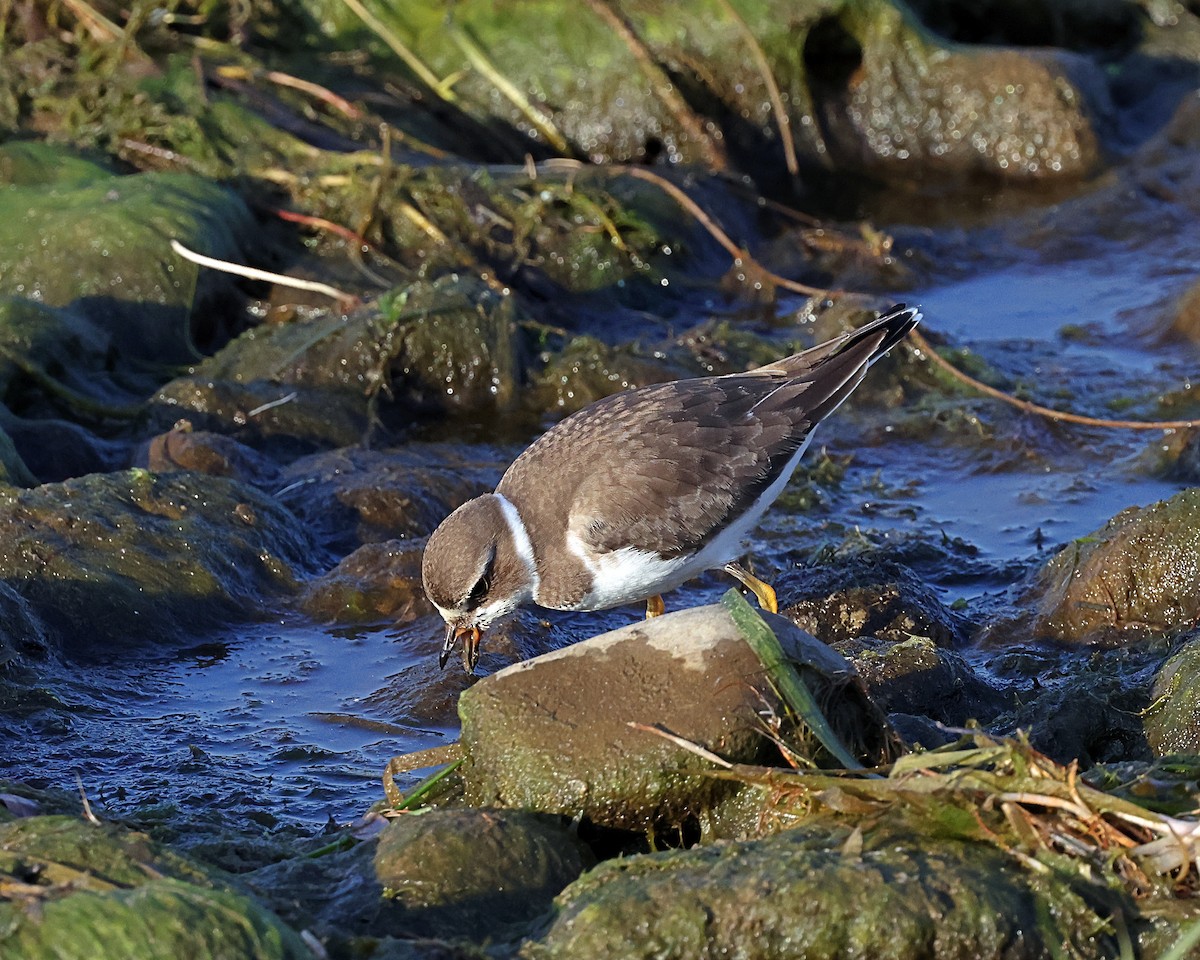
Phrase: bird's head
[474,573]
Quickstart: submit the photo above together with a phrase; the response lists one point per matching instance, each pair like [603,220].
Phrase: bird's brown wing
[673,473]
[666,467]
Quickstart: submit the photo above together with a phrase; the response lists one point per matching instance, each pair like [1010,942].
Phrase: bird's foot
[763,591]
[655,606]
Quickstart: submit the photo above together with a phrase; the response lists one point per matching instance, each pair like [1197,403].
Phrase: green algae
[1172,720]
[1139,575]
[73,889]
[102,242]
[110,558]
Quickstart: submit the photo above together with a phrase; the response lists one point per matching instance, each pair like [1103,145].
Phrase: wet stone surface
[215,491]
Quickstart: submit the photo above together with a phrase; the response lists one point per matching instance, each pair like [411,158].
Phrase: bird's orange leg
[655,606]
[763,591]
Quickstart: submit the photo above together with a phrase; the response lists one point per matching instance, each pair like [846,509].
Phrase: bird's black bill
[470,637]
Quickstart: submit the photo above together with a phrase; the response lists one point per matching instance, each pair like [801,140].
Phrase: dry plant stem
[320,223]
[922,345]
[407,762]
[315,90]
[539,119]
[411,60]
[253,273]
[782,120]
[432,757]
[660,731]
[96,24]
[661,84]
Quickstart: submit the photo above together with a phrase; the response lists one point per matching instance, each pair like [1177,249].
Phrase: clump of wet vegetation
[462,223]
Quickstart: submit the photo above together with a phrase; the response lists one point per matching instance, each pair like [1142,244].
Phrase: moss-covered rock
[322,378]
[103,242]
[864,85]
[553,734]
[377,582]
[858,598]
[825,892]
[1137,575]
[918,677]
[72,889]
[13,471]
[1172,721]
[112,558]
[475,873]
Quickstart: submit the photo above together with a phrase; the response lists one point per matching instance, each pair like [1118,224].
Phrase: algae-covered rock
[1172,721]
[76,890]
[13,471]
[553,734]
[475,873]
[21,633]
[378,581]
[825,892]
[918,677]
[104,243]
[111,558]
[1084,705]
[587,369]
[324,378]
[458,341]
[865,87]
[895,100]
[356,496]
[1138,574]
[860,598]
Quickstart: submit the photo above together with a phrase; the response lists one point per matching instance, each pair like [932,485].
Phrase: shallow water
[293,722]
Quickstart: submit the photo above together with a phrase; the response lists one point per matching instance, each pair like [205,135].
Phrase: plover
[640,492]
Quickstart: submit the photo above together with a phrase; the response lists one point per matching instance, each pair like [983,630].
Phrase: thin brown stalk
[782,119]
[922,345]
[660,83]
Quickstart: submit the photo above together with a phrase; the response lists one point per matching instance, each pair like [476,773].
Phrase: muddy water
[291,722]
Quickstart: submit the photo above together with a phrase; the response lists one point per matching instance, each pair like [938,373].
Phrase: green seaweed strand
[783,674]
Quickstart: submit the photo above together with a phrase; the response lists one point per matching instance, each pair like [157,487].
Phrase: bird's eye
[478,592]
[482,585]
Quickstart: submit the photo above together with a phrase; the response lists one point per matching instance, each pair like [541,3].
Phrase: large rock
[110,559]
[553,733]
[1172,721]
[475,873]
[74,890]
[866,88]
[821,892]
[1137,575]
[73,232]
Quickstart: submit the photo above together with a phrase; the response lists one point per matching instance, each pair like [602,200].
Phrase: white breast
[629,575]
